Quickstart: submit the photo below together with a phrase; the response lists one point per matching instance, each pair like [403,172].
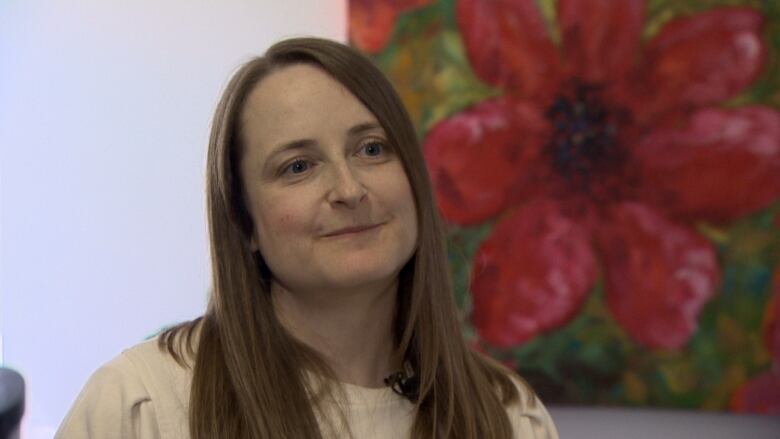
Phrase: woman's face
[329,199]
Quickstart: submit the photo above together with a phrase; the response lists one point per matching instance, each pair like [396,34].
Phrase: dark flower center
[583,147]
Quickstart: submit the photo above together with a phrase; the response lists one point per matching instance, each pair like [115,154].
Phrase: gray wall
[616,423]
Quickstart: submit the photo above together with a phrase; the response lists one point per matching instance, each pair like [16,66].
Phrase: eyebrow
[363,127]
[308,143]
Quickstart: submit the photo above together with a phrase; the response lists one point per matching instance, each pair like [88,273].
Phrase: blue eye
[297,167]
[373,149]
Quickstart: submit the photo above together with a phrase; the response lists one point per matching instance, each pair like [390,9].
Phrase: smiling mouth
[351,230]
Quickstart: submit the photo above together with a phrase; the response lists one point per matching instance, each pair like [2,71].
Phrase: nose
[347,190]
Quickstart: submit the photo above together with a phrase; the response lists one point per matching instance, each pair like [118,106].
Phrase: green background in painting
[591,359]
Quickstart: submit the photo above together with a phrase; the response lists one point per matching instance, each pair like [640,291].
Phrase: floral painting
[610,175]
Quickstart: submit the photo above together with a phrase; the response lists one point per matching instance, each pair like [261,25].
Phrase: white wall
[104,113]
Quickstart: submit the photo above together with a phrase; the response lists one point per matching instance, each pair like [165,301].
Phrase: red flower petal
[723,165]
[477,156]
[759,395]
[531,275]
[702,60]
[600,37]
[658,275]
[371,22]
[508,45]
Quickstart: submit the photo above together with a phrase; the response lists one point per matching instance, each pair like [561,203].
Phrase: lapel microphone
[405,383]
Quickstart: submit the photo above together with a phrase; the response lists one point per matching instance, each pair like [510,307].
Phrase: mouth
[354,230]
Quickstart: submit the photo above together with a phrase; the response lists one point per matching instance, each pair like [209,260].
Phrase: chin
[361,273]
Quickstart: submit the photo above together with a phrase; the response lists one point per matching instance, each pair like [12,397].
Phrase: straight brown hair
[249,374]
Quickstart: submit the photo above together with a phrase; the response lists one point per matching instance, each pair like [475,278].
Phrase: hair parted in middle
[251,378]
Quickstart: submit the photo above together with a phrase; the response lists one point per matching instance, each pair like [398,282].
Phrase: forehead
[299,101]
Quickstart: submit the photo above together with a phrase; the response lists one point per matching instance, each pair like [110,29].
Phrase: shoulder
[528,415]
[159,372]
[142,393]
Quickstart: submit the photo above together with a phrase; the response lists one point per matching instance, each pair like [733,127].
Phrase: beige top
[144,394]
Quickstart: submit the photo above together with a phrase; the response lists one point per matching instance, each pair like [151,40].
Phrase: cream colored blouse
[144,394]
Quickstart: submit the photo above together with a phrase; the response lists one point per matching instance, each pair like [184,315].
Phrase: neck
[352,330]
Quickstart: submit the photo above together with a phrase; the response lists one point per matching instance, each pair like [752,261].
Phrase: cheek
[285,220]
[279,223]
[399,193]
[411,213]
[405,197]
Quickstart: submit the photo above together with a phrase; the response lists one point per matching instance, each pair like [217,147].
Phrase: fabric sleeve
[113,404]
[529,418]
[532,422]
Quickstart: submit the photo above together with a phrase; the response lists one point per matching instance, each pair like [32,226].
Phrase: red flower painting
[371,22]
[599,158]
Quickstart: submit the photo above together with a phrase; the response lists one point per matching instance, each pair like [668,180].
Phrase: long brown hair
[248,374]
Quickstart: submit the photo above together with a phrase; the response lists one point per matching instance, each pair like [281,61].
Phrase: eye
[373,149]
[297,167]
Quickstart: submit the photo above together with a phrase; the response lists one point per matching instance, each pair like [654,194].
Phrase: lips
[351,230]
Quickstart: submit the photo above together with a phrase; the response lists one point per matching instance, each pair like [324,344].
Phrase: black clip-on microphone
[405,383]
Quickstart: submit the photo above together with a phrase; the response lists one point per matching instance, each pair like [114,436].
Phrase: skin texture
[313,184]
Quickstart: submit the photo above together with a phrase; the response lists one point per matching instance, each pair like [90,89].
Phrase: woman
[331,313]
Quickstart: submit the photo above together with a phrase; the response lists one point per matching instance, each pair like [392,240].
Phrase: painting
[609,172]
